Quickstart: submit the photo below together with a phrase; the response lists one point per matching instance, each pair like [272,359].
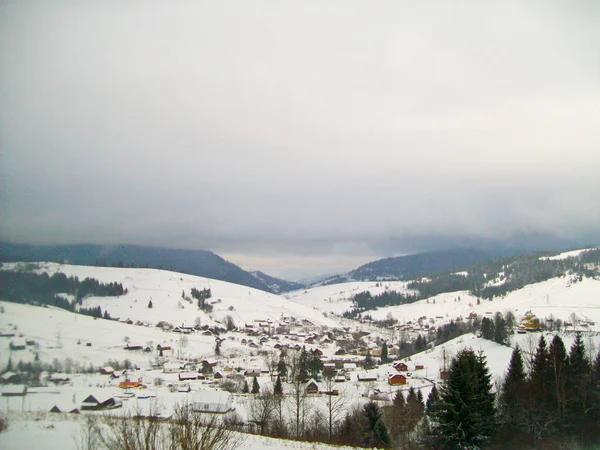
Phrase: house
[252,372]
[17,344]
[317,352]
[419,366]
[107,370]
[134,347]
[8,377]
[98,402]
[311,387]
[171,367]
[444,374]
[329,368]
[530,322]
[367,377]
[188,376]
[14,390]
[58,409]
[339,378]
[401,367]
[396,379]
[212,402]
[209,363]
[128,384]
[218,375]
[59,378]
[349,366]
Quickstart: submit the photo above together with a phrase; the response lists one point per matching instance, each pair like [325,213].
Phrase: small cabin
[396,379]
[401,367]
[311,387]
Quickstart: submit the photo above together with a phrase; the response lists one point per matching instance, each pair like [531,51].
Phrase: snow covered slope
[165,290]
[560,297]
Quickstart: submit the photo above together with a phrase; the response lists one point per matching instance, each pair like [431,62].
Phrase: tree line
[513,273]
[43,289]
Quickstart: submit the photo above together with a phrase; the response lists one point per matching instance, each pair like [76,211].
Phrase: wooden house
[401,367]
[396,379]
[311,387]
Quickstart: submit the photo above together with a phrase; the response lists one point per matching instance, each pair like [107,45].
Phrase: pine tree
[278,388]
[282,368]
[399,402]
[150,304]
[255,386]
[245,387]
[500,333]
[513,388]
[375,433]
[384,353]
[487,329]
[579,387]
[315,366]
[368,364]
[465,414]
[433,400]
[414,408]
[303,366]
[595,389]
[559,366]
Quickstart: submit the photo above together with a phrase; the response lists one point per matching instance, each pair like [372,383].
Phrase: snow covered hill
[559,298]
[165,289]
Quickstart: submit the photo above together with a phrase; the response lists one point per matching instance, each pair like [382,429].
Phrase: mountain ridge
[193,262]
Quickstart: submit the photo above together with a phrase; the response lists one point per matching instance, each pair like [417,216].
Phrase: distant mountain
[411,266]
[276,285]
[194,262]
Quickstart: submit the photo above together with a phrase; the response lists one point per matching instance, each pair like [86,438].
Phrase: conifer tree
[375,433]
[433,400]
[559,366]
[245,388]
[399,402]
[595,388]
[278,388]
[368,364]
[579,386]
[303,366]
[466,410]
[150,304]
[513,388]
[255,386]
[282,368]
[384,353]
[500,333]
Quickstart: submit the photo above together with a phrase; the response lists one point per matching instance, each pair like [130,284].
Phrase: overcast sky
[298,137]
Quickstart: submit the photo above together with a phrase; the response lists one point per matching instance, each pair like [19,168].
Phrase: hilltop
[193,262]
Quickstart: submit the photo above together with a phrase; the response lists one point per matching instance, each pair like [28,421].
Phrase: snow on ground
[57,431]
[559,297]
[165,289]
[335,298]
[565,255]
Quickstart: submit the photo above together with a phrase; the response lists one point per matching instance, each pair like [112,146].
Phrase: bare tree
[334,405]
[298,402]
[262,409]
[191,431]
[185,431]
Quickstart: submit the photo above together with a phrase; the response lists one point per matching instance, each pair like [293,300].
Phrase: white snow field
[58,335]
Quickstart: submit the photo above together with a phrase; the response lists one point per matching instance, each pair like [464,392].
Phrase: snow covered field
[58,335]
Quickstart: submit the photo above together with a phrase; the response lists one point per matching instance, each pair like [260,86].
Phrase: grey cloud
[306,129]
